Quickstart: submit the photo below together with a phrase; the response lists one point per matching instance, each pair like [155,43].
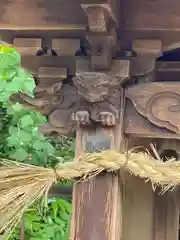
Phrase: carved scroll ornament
[92,98]
[159,103]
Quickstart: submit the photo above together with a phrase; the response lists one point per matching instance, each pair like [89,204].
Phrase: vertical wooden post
[97,210]
[22,230]
[166,217]
[137,208]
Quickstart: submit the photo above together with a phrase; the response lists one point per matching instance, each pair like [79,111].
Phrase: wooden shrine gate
[97,75]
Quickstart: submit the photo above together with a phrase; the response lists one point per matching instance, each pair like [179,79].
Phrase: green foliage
[50,223]
[20,140]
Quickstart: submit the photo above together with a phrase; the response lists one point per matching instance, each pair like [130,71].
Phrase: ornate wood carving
[159,103]
[93,98]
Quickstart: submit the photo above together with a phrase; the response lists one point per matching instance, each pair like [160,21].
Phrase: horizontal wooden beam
[167,66]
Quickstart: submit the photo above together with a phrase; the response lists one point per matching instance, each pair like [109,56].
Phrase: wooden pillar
[166,216]
[97,202]
[137,209]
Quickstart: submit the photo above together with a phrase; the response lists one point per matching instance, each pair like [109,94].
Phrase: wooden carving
[92,98]
[99,98]
[158,102]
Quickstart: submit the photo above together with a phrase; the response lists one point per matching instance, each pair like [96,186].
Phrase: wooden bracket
[50,79]
[65,47]
[101,49]
[101,34]
[143,68]
[147,47]
[99,15]
[120,69]
[27,46]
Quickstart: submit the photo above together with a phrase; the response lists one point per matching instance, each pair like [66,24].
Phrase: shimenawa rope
[22,184]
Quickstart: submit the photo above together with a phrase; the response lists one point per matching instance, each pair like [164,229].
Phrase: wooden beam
[32,15]
[33,63]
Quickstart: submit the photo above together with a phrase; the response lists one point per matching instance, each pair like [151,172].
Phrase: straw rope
[22,184]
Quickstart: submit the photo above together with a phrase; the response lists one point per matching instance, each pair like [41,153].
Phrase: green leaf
[17,107]
[26,121]
[49,148]
[20,155]
[24,136]
[13,130]
[38,145]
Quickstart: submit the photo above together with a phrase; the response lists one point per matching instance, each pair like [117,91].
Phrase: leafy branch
[20,140]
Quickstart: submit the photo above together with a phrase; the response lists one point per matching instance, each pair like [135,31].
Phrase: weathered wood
[101,16]
[120,69]
[137,208]
[33,63]
[147,47]
[138,126]
[41,15]
[52,72]
[167,71]
[97,202]
[65,47]
[158,103]
[166,217]
[27,46]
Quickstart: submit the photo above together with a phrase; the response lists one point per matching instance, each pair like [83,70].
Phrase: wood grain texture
[166,216]
[97,212]
[97,202]
[145,14]
[158,102]
[139,126]
[137,208]
[41,14]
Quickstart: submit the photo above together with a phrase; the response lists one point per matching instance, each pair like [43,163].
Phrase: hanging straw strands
[21,185]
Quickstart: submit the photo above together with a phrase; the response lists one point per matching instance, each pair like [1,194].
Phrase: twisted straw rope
[22,184]
[140,164]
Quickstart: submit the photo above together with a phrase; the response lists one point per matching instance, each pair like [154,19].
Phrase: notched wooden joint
[65,47]
[147,47]
[52,72]
[97,19]
[99,14]
[102,49]
[27,46]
